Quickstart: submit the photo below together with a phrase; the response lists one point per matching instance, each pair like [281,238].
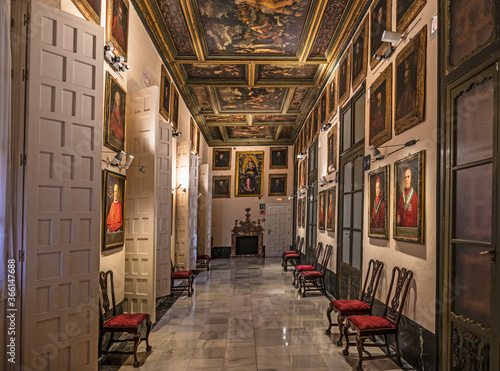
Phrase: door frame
[289,205]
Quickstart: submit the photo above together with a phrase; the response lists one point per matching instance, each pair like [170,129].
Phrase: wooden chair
[203,261]
[363,306]
[387,324]
[111,322]
[292,255]
[181,276]
[304,267]
[315,280]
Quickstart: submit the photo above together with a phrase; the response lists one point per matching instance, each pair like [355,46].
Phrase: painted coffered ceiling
[250,71]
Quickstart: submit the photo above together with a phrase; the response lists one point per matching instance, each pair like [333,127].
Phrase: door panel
[279,230]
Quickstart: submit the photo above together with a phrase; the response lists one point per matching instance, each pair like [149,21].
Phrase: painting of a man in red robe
[114,220]
[377,216]
[119,25]
[113,210]
[407,210]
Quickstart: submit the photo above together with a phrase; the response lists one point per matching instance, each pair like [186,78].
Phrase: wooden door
[278,238]
[62,191]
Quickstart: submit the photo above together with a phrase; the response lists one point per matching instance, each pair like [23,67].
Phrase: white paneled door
[62,192]
[278,239]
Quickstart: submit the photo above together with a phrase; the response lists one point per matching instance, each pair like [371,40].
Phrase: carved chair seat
[181,276]
[387,324]
[315,280]
[305,267]
[203,261]
[132,323]
[346,308]
[292,255]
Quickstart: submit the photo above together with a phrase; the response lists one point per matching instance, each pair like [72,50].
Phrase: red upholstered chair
[387,324]
[305,267]
[292,255]
[181,276]
[315,280]
[203,261]
[111,322]
[346,308]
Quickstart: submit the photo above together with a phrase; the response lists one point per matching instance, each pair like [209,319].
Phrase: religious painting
[221,186]
[380,122]
[113,202]
[164,93]
[330,210]
[200,71]
[409,212]
[321,210]
[380,20]
[253,28]
[359,55]
[332,97]
[90,9]
[175,109]
[221,159]
[243,98]
[249,174]
[195,138]
[378,196]
[406,11]
[409,101]
[332,150]
[344,78]
[277,184]
[117,26]
[114,114]
[279,158]
[323,118]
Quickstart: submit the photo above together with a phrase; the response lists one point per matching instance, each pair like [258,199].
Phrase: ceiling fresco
[250,71]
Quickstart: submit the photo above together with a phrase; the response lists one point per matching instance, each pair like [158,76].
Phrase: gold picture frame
[344,78]
[221,159]
[165,93]
[117,16]
[359,60]
[380,122]
[114,114]
[321,210]
[380,20]
[90,9]
[330,209]
[278,157]
[221,186]
[378,198]
[174,109]
[332,150]
[113,211]
[277,184]
[249,174]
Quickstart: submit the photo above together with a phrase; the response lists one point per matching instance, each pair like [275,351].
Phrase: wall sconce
[176,133]
[324,181]
[300,156]
[117,161]
[325,127]
[387,53]
[392,37]
[379,156]
[116,62]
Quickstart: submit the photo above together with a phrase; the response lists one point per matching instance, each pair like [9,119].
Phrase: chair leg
[396,343]
[329,316]
[285,266]
[346,336]
[388,349]
[340,321]
[137,337]
[111,339]
[294,278]
[190,286]
[148,330]
[359,345]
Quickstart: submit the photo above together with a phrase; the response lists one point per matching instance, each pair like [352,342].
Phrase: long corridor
[245,315]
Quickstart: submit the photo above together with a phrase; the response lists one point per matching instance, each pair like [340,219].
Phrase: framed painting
[221,159]
[378,196]
[406,11]
[249,174]
[332,97]
[303,213]
[409,100]
[409,213]
[117,26]
[279,158]
[114,114]
[332,150]
[380,122]
[323,117]
[330,210]
[221,186]
[90,9]
[277,184]
[321,210]
[164,93]
[343,78]
[175,109]
[380,20]
[359,55]
[302,173]
[299,212]
[195,138]
[315,125]
[113,201]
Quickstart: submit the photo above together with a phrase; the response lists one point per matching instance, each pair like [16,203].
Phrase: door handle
[491,253]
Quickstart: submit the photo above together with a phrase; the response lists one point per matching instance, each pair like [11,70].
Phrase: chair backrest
[371,281]
[319,250]
[106,312]
[300,243]
[326,258]
[402,278]
[296,243]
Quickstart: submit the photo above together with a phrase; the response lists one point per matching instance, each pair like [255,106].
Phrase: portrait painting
[113,210]
[90,9]
[316,124]
[249,174]
[380,122]
[195,138]
[221,186]
[277,184]
[359,55]
[378,196]
[303,213]
[175,109]
[164,93]
[344,79]
[302,173]
[332,97]
[330,210]
[409,101]
[323,118]
[409,213]
[332,150]
[299,212]
[114,114]
[406,11]
[117,26]
[221,159]
[380,20]
[279,158]
[321,210]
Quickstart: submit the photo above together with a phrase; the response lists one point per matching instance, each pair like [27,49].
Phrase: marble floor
[245,315]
